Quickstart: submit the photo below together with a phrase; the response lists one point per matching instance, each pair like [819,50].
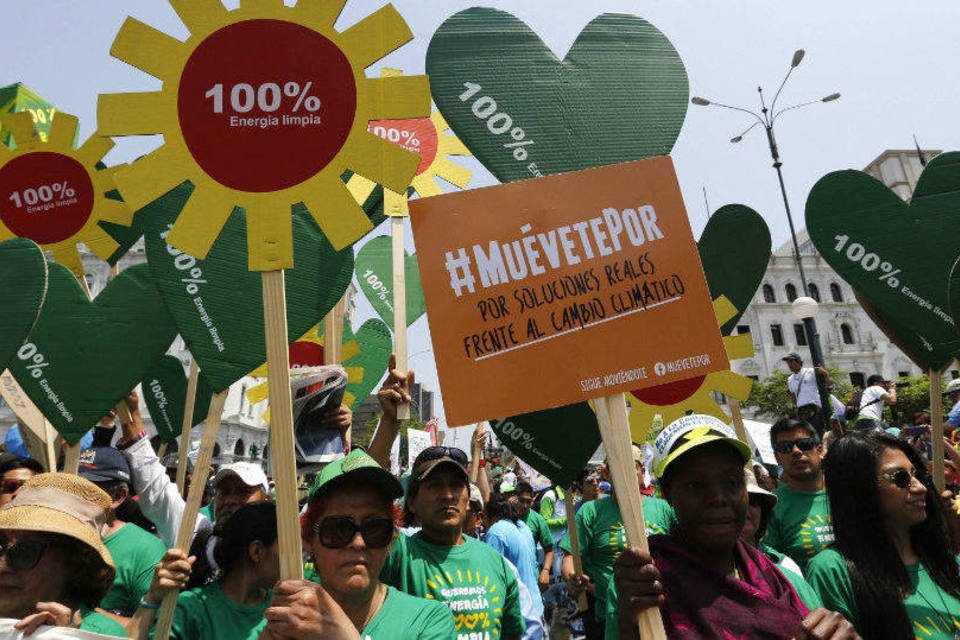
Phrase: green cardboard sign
[218,304]
[734,251]
[165,392]
[898,255]
[374,269]
[376,343]
[17,97]
[620,93]
[83,356]
[23,272]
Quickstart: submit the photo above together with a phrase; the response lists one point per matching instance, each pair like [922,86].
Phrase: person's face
[901,508]
[355,567]
[752,523]
[232,493]
[591,487]
[11,482]
[641,474]
[266,559]
[474,520]
[708,492]
[20,591]
[524,502]
[797,464]
[441,502]
[793,364]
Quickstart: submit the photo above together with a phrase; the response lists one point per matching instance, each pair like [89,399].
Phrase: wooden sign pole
[192,509]
[574,543]
[71,460]
[936,429]
[162,451]
[615,431]
[738,425]
[30,419]
[283,454]
[399,305]
[188,407]
[333,333]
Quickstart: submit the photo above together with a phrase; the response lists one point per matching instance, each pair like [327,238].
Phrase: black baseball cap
[875,378]
[104,464]
[793,355]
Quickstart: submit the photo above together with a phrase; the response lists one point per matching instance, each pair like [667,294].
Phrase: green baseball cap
[356,467]
[693,431]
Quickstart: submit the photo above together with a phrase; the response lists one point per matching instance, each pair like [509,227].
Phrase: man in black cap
[135,552]
[802,387]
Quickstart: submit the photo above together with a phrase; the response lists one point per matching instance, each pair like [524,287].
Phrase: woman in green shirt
[892,569]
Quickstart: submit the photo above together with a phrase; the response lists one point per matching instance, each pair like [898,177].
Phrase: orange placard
[556,290]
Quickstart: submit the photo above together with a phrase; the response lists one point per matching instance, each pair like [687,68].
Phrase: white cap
[953,385]
[250,473]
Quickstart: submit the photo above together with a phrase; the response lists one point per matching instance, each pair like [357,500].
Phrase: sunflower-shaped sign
[307,351]
[263,107]
[53,194]
[674,400]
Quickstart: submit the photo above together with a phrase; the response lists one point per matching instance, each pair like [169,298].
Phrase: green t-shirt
[800,524]
[540,529]
[206,613]
[404,617]
[95,622]
[207,511]
[602,538]
[548,509]
[471,578]
[135,554]
[809,597]
[930,608]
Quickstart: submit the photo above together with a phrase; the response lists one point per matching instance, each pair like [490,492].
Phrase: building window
[903,374]
[814,291]
[800,335]
[857,379]
[791,292]
[955,374]
[768,294]
[754,378]
[776,332]
[835,292]
[742,329]
[846,333]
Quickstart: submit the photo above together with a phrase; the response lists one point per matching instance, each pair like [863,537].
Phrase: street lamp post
[767,118]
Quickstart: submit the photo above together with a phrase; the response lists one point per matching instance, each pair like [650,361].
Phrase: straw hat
[61,503]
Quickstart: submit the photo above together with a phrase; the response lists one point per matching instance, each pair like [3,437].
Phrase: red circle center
[305,354]
[415,134]
[45,196]
[670,393]
[266,104]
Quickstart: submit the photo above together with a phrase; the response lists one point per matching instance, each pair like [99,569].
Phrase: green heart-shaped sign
[375,342]
[165,392]
[83,356]
[374,270]
[218,304]
[896,254]
[734,251]
[23,272]
[620,94]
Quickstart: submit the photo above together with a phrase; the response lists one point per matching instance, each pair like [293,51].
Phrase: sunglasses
[433,453]
[900,478]
[23,555]
[804,444]
[336,532]
[11,486]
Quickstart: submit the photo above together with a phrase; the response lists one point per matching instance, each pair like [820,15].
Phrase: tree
[912,398]
[770,397]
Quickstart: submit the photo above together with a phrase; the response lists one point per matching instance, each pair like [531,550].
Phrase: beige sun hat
[61,503]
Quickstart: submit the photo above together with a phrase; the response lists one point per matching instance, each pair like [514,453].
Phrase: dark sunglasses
[11,486]
[23,555]
[900,478]
[804,444]
[336,532]
[433,453]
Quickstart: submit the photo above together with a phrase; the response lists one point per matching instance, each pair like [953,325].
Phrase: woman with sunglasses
[231,607]
[348,530]
[892,570]
[54,567]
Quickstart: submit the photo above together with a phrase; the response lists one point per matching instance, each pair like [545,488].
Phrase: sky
[892,61]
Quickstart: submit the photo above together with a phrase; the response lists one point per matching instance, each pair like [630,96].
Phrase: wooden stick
[399,306]
[162,451]
[738,425]
[192,509]
[333,333]
[188,407]
[71,460]
[936,429]
[282,451]
[51,445]
[615,431]
[574,543]
[30,419]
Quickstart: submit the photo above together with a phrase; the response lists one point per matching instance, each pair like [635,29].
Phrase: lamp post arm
[727,106]
[796,106]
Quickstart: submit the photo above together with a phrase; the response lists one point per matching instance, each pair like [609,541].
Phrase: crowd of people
[841,540]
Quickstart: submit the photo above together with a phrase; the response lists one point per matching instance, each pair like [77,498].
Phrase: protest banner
[374,344]
[250,83]
[23,272]
[17,97]
[417,441]
[165,392]
[600,254]
[8,631]
[374,269]
[53,194]
[896,255]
